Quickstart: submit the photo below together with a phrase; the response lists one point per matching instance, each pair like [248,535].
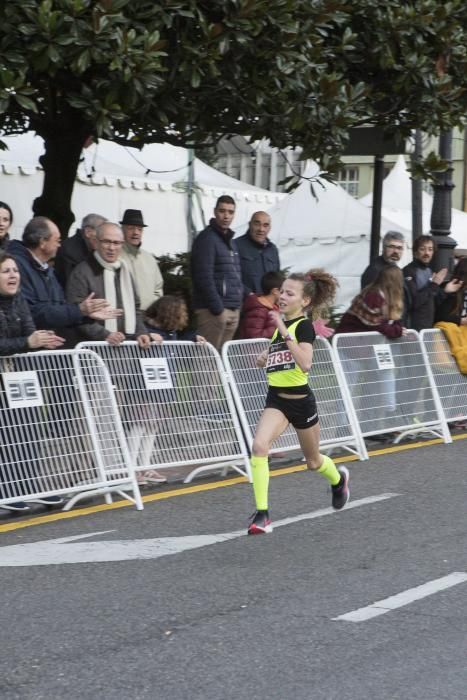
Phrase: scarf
[126,289]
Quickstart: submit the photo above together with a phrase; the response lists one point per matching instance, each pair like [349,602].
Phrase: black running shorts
[301,413]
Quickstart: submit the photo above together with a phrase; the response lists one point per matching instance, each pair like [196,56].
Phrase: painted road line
[381,607]
[73,550]
[44,519]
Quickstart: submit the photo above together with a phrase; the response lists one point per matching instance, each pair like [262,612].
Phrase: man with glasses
[393,249]
[107,275]
[75,249]
[41,289]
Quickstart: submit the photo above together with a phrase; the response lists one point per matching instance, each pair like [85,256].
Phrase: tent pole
[191,182]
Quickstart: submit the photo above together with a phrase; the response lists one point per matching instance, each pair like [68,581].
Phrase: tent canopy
[331,231]
[112,178]
[397,205]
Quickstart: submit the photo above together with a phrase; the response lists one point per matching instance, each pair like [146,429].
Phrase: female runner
[290,399]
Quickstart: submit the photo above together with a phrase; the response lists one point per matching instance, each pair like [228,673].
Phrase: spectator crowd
[101,284]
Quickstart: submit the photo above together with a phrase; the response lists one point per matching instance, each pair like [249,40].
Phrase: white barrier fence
[60,432]
[391,384]
[175,405]
[249,387]
[450,382]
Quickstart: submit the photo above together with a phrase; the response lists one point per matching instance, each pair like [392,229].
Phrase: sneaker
[152,476]
[260,523]
[49,501]
[15,506]
[341,492]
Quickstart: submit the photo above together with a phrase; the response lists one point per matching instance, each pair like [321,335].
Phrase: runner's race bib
[279,361]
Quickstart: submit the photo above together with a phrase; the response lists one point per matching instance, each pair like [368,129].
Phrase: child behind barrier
[167,319]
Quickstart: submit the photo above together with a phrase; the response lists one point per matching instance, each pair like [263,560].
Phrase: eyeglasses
[107,243]
[395,247]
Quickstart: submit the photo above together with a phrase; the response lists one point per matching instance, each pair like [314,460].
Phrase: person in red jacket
[256,321]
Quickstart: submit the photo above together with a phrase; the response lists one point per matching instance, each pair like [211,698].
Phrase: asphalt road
[250,617]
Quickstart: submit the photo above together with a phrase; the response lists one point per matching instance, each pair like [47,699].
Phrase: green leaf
[25,102]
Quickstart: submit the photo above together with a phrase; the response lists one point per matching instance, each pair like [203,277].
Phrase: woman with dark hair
[453,308]
[17,334]
[6,219]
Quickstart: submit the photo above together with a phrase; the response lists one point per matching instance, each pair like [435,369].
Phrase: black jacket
[255,260]
[371,272]
[72,251]
[423,295]
[445,311]
[43,292]
[215,270]
[16,324]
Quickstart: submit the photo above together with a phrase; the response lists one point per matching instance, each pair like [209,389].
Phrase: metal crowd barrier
[391,384]
[175,406]
[60,433]
[450,382]
[338,426]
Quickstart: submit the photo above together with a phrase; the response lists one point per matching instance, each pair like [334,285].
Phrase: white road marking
[405,598]
[68,550]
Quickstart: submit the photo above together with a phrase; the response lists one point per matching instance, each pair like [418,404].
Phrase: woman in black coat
[453,307]
[17,334]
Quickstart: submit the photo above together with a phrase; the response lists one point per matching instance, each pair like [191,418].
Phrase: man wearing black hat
[143,265]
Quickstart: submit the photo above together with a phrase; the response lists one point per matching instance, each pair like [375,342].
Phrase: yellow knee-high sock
[329,471]
[260,473]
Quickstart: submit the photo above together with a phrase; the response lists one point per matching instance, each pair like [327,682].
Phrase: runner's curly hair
[320,286]
[169,313]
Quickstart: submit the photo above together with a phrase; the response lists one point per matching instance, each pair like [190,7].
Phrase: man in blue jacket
[258,254]
[216,277]
[41,288]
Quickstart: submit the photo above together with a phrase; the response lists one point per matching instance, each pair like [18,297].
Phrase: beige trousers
[217,329]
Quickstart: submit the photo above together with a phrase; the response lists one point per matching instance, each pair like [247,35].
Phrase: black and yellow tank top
[281,368]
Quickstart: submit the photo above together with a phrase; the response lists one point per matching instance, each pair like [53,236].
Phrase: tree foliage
[299,72]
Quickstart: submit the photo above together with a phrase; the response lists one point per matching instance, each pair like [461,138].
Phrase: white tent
[397,205]
[112,178]
[332,231]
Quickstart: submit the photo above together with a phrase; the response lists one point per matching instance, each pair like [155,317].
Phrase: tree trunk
[60,163]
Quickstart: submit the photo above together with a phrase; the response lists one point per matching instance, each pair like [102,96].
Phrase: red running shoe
[260,523]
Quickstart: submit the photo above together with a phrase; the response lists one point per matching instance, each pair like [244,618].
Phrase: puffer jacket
[255,321]
[215,270]
[16,324]
[255,260]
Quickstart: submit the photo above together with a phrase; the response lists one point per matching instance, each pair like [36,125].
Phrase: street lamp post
[441,209]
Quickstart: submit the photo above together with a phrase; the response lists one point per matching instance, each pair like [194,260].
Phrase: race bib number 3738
[280,360]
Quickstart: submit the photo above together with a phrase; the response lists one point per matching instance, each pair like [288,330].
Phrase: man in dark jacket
[42,290]
[77,248]
[258,254]
[216,276]
[393,248]
[425,293]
